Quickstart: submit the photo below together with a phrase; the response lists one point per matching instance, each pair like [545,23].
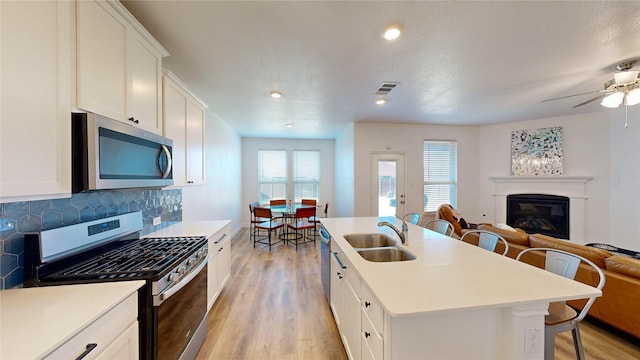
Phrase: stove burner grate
[140,258]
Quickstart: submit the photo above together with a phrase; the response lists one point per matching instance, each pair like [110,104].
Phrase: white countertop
[448,274]
[35,321]
[191,228]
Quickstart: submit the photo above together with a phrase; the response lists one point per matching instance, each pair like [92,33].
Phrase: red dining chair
[253,230]
[278,202]
[270,226]
[301,226]
[311,202]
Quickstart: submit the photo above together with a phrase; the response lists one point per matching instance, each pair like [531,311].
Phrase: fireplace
[539,213]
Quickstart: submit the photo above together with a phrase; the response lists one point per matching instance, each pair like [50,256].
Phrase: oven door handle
[163,296]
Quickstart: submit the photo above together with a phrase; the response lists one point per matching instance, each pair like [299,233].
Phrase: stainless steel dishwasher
[325,262]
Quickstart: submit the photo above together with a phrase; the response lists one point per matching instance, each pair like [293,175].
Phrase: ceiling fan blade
[591,100]
[568,96]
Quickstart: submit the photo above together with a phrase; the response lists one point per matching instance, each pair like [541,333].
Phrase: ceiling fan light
[633,97]
[626,77]
[613,100]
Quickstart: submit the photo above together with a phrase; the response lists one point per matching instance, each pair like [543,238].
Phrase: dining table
[288,212]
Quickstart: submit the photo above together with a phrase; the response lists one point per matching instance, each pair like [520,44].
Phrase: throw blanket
[616,250]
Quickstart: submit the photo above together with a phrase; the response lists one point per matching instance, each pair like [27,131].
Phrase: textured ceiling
[458,63]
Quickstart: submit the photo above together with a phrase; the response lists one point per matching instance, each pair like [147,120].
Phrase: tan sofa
[620,299]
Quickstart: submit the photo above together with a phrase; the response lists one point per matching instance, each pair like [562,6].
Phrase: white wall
[409,139]
[586,152]
[250,147]
[624,188]
[220,197]
[344,180]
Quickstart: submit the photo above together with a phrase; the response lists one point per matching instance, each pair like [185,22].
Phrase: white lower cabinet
[358,314]
[219,266]
[372,340]
[124,347]
[351,319]
[113,335]
[345,302]
[337,275]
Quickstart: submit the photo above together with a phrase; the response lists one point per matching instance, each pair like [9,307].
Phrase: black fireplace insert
[539,214]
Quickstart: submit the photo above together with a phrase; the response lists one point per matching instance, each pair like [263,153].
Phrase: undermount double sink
[378,247]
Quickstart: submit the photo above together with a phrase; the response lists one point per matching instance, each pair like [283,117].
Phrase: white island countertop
[35,321]
[448,274]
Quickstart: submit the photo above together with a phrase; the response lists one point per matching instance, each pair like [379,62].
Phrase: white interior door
[388,184]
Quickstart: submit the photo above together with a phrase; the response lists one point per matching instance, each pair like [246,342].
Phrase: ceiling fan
[623,88]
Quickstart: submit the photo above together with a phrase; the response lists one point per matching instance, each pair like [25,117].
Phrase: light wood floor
[274,308]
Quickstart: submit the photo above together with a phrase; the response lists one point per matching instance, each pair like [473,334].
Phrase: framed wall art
[536,152]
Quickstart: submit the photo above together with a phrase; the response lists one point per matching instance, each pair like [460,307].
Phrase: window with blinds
[306,175]
[275,180]
[440,162]
[272,175]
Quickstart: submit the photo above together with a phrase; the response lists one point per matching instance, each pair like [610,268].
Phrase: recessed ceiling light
[380,101]
[276,94]
[392,32]
[289,125]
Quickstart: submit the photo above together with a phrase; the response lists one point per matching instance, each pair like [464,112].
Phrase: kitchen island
[453,301]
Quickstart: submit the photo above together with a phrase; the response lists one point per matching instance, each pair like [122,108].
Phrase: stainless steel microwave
[109,154]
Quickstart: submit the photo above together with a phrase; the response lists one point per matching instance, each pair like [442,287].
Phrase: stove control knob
[202,253]
[182,270]
[173,277]
[191,262]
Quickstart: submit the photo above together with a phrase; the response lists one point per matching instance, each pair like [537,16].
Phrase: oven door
[181,317]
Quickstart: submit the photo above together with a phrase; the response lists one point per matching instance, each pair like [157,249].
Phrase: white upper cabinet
[144,88]
[184,121]
[119,66]
[35,120]
[195,141]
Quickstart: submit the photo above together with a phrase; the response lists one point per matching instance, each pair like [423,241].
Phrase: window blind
[440,174]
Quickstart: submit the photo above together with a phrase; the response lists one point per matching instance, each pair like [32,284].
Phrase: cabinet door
[212,272]
[125,347]
[35,136]
[143,84]
[351,320]
[175,108]
[337,278]
[195,142]
[224,259]
[101,60]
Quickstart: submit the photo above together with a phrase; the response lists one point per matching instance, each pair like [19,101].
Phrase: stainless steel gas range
[172,304]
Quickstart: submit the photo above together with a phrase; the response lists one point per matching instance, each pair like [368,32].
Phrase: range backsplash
[19,218]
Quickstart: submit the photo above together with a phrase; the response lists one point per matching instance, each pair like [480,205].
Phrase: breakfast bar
[454,300]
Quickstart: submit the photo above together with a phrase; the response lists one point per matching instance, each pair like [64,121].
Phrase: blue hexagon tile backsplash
[19,218]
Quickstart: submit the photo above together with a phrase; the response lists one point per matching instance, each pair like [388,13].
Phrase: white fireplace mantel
[573,187]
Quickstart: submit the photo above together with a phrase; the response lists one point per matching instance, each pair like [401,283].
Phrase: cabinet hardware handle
[221,237]
[134,120]
[367,304]
[339,277]
[221,249]
[89,348]
[367,334]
